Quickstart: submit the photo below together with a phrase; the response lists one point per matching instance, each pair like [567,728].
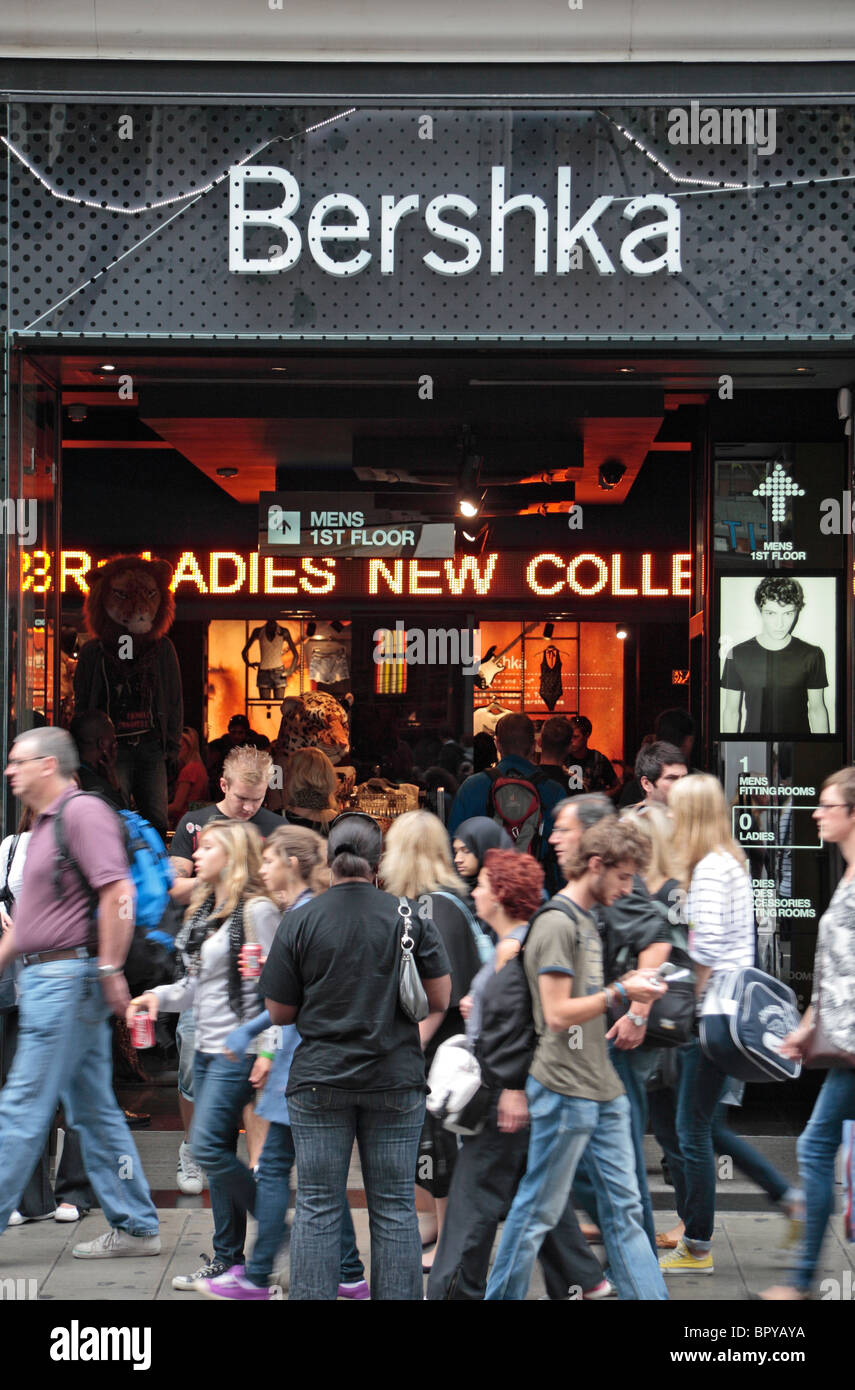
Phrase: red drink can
[142,1030]
[250,960]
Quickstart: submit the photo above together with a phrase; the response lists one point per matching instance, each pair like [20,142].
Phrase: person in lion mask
[130,670]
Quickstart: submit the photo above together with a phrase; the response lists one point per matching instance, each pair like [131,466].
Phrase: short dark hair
[674,725]
[615,843]
[87,727]
[515,734]
[780,589]
[239,719]
[556,735]
[653,757]
[582,722]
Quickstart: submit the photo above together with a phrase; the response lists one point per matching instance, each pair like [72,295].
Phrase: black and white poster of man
[777,647]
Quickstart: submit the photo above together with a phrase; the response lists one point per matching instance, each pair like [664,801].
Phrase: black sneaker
[212,1270]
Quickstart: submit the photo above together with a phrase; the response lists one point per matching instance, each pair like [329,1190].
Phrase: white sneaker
[16,1219]
[66,1211]
[115,1244]
[188,1175]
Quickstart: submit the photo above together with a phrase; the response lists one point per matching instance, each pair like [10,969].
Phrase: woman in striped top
[720,917]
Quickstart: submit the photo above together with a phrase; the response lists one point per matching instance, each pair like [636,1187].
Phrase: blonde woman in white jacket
[228,908]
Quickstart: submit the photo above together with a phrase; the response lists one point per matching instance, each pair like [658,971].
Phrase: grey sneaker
[212,1269]
[188,1175]
[115,1245]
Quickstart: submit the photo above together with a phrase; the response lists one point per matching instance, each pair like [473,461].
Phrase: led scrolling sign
[510,574]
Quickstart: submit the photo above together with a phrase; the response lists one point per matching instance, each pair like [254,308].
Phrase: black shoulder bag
[7,898]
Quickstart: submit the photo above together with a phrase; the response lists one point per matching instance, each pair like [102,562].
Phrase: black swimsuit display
[551,686]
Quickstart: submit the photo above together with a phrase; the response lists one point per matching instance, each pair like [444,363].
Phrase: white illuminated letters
[283,242]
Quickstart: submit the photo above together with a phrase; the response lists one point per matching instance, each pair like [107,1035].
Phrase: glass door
[29,514]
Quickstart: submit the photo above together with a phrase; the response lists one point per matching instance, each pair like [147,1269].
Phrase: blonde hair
[251,765]
[701,824]
[240,878]
[306,846]
[653,822]
[193,740]
[417,857]
[310,781]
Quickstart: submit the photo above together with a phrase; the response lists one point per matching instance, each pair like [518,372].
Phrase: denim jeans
[633,1067]
[222,1090]
[141,771]
[185,1037]
[562,1129]
[817,1150]
[699,1092]
[387,1126]
[65,1053]
[273,1189]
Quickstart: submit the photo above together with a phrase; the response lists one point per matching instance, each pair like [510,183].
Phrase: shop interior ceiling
[361,424]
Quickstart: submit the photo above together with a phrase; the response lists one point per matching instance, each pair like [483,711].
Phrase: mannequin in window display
[272,677]
[130,671]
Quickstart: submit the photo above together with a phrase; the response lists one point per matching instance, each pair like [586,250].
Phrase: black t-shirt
[337,959]
[774,685]
[187,831]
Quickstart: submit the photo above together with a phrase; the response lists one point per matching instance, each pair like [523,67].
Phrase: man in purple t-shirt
[70,982]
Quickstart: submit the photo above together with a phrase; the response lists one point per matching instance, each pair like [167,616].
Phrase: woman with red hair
[500,1027]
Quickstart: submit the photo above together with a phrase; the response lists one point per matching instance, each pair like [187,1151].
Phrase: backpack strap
[6,896]
[64,859]
[486,949]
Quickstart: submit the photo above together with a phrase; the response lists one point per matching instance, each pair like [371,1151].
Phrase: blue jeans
[387,1126]
[817,1150]
[273,1189]
[185,1035]
[65,1053]
[698,1095]
[222,1090]
[633,1067]
[562,1129]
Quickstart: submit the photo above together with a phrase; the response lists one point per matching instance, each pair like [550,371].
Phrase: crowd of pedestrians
[325,970]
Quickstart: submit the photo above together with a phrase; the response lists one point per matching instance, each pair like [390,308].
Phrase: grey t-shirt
[575,1063]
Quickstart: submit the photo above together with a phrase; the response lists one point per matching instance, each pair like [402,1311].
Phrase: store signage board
[388,226]
[544,578]
[347,525]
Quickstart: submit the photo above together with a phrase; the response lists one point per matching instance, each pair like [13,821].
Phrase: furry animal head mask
[130,595]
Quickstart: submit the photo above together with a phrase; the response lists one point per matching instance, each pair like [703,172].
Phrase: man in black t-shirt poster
[774,684]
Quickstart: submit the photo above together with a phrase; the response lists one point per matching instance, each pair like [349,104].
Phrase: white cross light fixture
[779,486]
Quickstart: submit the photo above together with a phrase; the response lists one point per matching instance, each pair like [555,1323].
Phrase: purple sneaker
[359,1290]
[235,1286]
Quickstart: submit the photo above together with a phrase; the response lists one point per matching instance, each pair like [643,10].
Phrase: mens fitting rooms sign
[266,224]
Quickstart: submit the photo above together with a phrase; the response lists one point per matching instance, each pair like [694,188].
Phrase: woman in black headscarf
[470,843]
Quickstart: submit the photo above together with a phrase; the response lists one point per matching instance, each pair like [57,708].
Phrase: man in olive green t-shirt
[576,1101]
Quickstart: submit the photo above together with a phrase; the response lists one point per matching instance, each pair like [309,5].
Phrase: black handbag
[671,1021]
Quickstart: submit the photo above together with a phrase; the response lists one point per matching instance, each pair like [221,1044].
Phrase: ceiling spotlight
[548,629]
[77,413]
[621,632]
[469,506]
[469,494]
[626,371]
[226,472]
[107,367]
[610,473]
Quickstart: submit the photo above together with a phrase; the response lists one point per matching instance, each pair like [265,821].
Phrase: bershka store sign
[544,575]
[342,219]
[271,225]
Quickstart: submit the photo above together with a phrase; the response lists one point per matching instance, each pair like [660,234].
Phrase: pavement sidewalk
[746,1260]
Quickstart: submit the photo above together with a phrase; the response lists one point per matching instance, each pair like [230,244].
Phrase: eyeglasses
[834,806]
[19,762]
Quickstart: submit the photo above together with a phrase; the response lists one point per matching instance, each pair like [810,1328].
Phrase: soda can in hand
[142,1030]
[250,960]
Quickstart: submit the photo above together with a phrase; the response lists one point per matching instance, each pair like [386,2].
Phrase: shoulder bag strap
[482,940]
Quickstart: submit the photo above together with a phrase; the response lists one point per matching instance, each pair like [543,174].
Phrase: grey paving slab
[747,1259]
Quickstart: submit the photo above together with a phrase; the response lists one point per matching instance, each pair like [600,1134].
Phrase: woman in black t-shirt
[417,864]
[359,1071]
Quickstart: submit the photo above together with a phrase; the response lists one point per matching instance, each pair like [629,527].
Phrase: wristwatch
[105,971]
[638,1019]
